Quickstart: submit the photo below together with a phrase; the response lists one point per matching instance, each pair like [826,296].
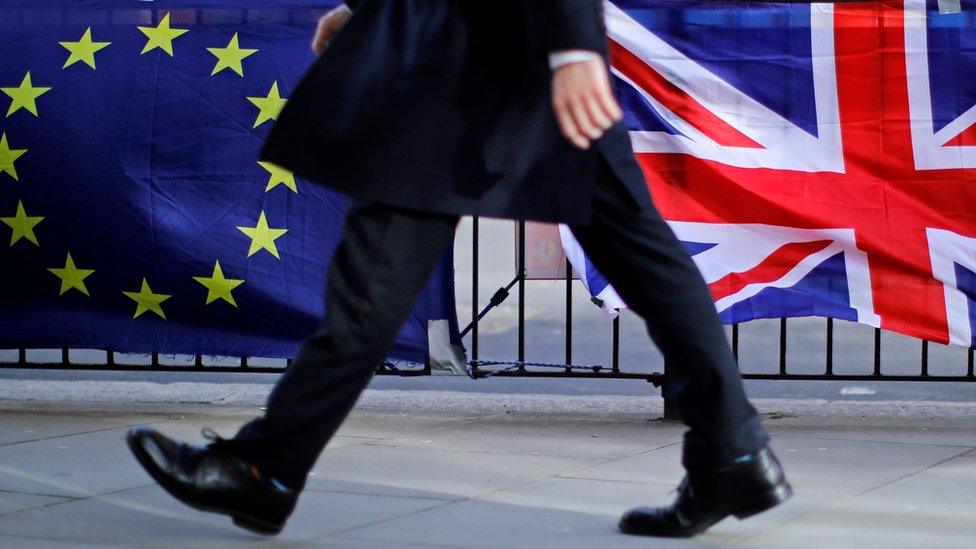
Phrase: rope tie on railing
[519,364]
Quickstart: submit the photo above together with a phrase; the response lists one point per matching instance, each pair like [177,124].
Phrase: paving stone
[19,427]
[346,543]
[582,438]
[915,430]
[374,489]
[447,472]
[77,465]
[15,542]
[340,441]
[613,498]
[395,423]
[92,463]
[655,466]
[841,467]
[11,502]
[478,523]
[595,497]
[813,466]
[933,508]
[189,430]
[494,480]
[150,517]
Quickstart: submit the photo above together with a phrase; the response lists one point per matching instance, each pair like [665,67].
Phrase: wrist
[559,59]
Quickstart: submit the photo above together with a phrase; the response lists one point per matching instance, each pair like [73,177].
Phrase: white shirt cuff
[562,58]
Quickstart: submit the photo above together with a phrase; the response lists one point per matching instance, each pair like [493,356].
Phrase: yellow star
[146,300]
[219,287]
[279,176]
[263,237]
[22,225]
[231,57]
[8,156]
[24,96]
[161,36]
[269,106]
[83,50]
[71,276]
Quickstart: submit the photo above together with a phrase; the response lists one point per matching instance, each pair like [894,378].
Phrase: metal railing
[480,368]
[520,367]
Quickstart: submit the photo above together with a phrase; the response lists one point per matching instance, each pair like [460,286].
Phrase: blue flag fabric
[135,216]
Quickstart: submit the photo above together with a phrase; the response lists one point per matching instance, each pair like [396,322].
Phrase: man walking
[427,110]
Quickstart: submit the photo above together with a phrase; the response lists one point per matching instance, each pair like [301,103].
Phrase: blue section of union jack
[594,282]
[746,48]
[757,271]
[967,283]
[947,36]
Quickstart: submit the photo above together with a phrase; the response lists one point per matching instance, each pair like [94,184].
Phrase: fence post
[670,412]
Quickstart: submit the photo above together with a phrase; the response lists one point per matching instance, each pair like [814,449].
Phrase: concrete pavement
[493,471]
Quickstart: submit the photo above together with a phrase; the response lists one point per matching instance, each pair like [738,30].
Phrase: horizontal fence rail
[518,367]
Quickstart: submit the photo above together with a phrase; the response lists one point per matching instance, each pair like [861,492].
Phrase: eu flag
[134,215]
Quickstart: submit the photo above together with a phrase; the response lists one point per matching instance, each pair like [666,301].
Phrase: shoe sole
[252,524]
[256,526]
[765,502]
[777,495]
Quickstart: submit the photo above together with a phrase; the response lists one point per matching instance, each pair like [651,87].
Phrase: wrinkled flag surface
[134,215]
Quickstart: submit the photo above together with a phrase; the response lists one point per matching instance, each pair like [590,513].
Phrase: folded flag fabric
[595,283]
[134,215]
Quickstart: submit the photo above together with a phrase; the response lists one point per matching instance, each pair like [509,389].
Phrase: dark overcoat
[445,106]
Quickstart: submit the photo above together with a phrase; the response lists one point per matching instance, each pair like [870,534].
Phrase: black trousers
[385,259]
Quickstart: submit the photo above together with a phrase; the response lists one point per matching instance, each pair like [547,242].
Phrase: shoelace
[219,442]
[216,441]
[683,487]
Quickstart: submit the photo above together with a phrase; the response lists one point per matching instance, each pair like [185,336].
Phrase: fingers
[608,104]
[321,38]
[584,103]
[329,25]
[598,113]
[584,123]
[319,46]
[583,119]
[567,124]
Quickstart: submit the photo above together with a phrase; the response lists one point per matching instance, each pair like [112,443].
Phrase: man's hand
[329,26]
[584,104]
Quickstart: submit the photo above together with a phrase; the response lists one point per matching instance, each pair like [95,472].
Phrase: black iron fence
[519,366]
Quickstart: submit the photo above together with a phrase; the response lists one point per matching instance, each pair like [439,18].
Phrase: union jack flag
[815,159]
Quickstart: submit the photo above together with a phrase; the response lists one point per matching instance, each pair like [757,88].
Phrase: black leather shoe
[743,489]
[213,478]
